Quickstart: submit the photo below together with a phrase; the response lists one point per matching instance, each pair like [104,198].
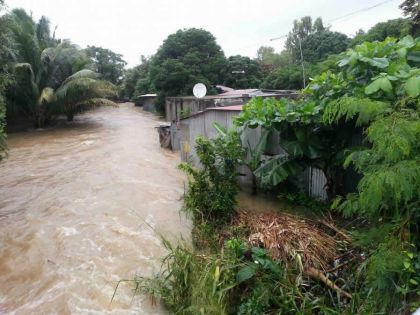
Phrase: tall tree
[319,45]
[301,29]
[242,72]
[411,9]
[143,83]
[269,60]
[397,28]
[185,58]
[49,81]
[318,25]
[108,63]
[7,53]
[129,82]
[316,41]
[43,33]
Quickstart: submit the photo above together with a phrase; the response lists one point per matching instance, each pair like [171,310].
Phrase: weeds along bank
[359,257]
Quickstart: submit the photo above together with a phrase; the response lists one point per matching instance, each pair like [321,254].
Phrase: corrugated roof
[239,92]
[228,108]
[233,108]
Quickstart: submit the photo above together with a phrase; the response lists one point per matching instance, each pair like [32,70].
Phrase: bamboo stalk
[317,274]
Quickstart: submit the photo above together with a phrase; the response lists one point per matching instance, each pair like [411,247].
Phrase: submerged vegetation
[42,77]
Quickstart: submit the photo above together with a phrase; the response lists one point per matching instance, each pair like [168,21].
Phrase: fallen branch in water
[318,275]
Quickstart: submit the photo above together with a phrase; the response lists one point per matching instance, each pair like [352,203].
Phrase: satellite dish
[199,90]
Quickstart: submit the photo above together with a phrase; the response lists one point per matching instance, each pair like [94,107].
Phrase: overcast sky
[138,27]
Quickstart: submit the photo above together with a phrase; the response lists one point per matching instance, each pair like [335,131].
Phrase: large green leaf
[220,129]
[379,62]
[381,83]
[276,170]
[292,147]
[414,56]
[259,150]
[246,273]
[412,86]
[407,42]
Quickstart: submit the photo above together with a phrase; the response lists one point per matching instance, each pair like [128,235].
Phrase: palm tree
[83,91]
[6,56]
[52,80]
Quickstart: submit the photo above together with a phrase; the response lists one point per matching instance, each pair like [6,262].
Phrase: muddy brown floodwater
[77,203]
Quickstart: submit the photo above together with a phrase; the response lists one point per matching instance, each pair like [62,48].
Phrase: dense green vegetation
[358,115]
[358,118]
[377,93]
[107,63]
[242,73]
[43,77]
[374,95]
[177,65]
[6,53]
[397,28]
[185,58]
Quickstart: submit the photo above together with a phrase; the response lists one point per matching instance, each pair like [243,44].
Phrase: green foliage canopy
[377,92]
[42,70]
[107,63]
[185,58]
[397,28]
[242,72]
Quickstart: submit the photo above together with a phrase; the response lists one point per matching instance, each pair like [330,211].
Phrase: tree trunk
[254,185]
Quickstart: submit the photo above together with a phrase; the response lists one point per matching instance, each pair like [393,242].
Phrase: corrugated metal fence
[201,124]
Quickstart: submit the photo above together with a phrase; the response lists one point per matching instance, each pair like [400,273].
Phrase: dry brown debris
[290,238]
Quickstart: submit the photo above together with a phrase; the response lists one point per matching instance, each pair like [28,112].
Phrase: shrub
[213,187]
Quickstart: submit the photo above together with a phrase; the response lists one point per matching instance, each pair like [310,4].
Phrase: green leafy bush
[376,94]
[213,187]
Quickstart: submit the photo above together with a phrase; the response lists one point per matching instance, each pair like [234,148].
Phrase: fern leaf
[348,108]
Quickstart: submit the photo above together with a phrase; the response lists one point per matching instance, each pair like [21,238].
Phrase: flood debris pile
[297,241]
[286,237]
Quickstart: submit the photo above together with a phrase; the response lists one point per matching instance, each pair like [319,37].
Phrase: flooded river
[77,203]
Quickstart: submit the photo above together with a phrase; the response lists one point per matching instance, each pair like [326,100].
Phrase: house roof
[147,95]
[224,88]
[245,92]
[227,108]
[233,108]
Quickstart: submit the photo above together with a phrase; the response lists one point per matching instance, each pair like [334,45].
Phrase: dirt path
[75,209]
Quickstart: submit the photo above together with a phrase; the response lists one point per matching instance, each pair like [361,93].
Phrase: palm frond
[348,108]
[63,62]
[47,96]
[85,73]
[25,89]
[81,92]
